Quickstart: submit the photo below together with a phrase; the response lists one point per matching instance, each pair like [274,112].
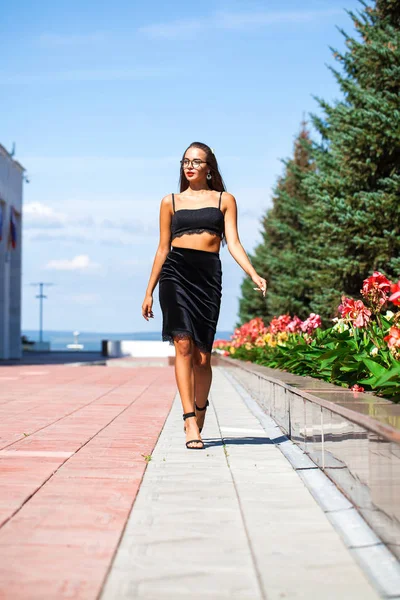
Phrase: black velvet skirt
[190,291]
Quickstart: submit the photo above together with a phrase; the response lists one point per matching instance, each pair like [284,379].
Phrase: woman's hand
[261,284]
[146,307]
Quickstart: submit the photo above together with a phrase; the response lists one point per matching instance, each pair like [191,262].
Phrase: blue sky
[101,100]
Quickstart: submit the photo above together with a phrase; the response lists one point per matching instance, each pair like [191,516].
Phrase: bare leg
[185,381]
[202,380]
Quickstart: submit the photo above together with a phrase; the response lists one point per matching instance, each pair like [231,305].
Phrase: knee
[202,361]
[183,347]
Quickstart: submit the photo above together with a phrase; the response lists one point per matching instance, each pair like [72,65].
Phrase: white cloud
[38,215]
[39,218]
[231,20]
[81,262]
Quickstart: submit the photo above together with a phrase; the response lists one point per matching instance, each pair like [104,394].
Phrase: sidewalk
[68,486]
[232,521]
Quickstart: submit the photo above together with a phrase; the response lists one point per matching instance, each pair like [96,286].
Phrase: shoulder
[166,202]
[228,200]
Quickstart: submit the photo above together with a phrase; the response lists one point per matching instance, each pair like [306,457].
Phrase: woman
[189,273]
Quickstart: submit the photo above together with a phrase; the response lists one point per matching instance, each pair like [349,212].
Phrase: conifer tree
[252,303]
[284,229]
[352,223]
[277,257]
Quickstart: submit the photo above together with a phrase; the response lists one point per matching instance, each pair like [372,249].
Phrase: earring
[209,176]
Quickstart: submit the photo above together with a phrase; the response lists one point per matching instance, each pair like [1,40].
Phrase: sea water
[91,341]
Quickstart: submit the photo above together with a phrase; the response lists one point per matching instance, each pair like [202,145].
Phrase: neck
[198,187]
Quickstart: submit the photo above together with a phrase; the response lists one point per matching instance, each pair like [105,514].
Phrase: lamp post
[41,296]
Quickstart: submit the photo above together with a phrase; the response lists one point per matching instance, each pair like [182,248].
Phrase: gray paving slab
[388,575]
[384,570]
[296,547]
[325,491]
[354,528]
[186,535]
[232,521]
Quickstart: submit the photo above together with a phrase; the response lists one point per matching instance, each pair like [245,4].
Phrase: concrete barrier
[353,437]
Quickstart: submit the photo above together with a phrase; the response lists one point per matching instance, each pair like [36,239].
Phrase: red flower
[280,323]
[395,297]
[393,337]
[357,388]
[248,332]
[355,311]
[375,289]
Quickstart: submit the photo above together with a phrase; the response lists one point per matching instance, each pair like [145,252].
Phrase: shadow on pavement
[242,441]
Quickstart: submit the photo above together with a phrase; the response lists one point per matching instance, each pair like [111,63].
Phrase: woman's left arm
[235,247]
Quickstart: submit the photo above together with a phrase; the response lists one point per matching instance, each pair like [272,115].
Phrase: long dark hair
[216,182]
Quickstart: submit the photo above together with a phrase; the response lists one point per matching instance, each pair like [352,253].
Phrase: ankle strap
[204,407]
[187,415]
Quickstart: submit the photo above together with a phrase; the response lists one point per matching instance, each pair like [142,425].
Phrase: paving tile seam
[371,571]
[8,519]
[65,416]
[168,449]
[283,533]
[46,385]
[128,517]
[250,545]
[89,577]
[352,547]
[304,468]
[52,423]
[338,510]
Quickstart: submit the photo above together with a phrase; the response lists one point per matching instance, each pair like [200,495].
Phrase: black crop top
[197,220]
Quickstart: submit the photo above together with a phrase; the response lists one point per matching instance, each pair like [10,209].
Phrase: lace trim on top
[200,230]
[195,230]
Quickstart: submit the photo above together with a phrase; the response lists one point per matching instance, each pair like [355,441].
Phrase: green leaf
[395,372]
[374,367]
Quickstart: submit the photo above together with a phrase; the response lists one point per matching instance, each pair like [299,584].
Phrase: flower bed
[361,350]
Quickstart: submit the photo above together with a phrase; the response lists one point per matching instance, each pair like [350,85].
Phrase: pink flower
[355,311]
[375,289]
[311,323]
[393,337]
[395,297]
[295,325]
[357,388]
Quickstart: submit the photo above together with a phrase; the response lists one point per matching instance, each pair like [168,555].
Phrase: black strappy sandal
[201,409]
[186,416]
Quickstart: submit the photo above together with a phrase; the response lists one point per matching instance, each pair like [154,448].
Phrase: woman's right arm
[164,247]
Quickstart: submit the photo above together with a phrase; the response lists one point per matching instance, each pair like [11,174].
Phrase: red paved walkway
[71,446]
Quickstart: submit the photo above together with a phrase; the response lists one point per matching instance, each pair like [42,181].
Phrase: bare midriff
[198,241]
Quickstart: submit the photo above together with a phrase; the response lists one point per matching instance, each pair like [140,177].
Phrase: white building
[11,180]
